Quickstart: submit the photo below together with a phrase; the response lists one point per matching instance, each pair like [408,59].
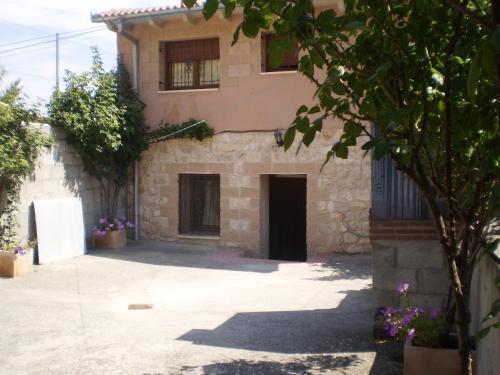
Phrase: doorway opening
[287,217]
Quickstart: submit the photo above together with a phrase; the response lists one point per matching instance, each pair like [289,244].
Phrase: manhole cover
[140,306]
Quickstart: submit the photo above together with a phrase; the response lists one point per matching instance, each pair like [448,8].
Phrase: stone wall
[483,293]
[243,161]
[59,174]
[420,263]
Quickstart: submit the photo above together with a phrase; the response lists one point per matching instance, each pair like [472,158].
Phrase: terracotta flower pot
[14,264]
[420,360]
[114,239]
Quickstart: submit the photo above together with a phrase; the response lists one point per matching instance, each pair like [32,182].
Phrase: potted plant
[111,234]
[16,260]
[430,348]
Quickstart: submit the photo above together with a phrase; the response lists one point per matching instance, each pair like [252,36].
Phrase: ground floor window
[199,204]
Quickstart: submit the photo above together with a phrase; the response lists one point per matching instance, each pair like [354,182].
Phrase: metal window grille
[191,64]
[290,59]
[199,204]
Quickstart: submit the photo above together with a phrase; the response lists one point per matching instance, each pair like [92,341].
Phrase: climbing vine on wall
[188,129]
[104,121]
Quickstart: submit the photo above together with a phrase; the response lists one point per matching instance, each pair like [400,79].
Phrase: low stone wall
[418,262]
[483,293]
[243,160]
[59,174]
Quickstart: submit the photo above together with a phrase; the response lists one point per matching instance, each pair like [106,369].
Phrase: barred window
[289,61]
[190,64]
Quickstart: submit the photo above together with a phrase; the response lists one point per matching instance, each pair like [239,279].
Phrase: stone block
[419,254]
[384,298]
[383,257]
[428,300]
[389,279]
[240,70]
[432,281]
[240,48]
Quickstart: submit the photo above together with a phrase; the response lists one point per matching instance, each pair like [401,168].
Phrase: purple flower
[403,288]
[130,224]
[20,250]
[393,330]
[407,318]
[103,221]
[411,334]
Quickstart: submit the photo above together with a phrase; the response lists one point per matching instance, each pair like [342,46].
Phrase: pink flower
[103,221]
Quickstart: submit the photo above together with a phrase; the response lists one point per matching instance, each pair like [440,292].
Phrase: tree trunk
[463,319]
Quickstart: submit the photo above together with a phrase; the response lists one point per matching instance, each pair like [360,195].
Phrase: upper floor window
[190,64]
[289,61]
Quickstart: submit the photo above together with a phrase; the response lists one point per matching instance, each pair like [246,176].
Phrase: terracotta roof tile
[132,11]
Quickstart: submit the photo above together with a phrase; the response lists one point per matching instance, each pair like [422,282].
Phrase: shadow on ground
[346,328]
[345,267]
[192,256]
[304,366]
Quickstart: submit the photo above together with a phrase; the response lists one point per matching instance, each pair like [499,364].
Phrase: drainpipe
[135,84]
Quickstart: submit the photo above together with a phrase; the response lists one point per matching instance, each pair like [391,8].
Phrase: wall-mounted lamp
[278,137]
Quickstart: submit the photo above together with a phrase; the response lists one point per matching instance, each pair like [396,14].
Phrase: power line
[49,41]
[49,35]
[24,41]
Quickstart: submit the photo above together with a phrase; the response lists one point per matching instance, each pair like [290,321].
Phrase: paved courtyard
[212,312]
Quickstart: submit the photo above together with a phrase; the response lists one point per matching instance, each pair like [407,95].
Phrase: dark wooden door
[287,218]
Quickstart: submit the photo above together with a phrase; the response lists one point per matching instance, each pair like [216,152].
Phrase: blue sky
[35,66]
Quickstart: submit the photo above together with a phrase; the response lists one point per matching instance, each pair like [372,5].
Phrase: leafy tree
[103,119]
[427,75]
[20,145]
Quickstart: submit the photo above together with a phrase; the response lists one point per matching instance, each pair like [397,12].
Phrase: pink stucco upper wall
[246,99]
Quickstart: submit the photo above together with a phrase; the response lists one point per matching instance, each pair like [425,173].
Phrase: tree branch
[465,10]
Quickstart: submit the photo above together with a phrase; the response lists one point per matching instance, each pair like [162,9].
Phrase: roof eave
[138,16]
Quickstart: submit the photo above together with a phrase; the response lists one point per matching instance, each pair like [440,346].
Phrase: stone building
[238,188]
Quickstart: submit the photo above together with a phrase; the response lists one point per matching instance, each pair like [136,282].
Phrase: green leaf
[473,76]
[289,137]
[316,58]
[303,108]
[314,110]
[252,22]
[338,88]
[369,145]
[482,333]
[277,49]
[495,309]
[380,150]
[355,25]
[306,66]
[229,6]
[341,150]
[209,8]
[189,3]
[488,59]
[236,35]
[302,124]
[352,129]
[309,136]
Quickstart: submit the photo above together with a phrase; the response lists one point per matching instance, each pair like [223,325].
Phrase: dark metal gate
[395,196]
